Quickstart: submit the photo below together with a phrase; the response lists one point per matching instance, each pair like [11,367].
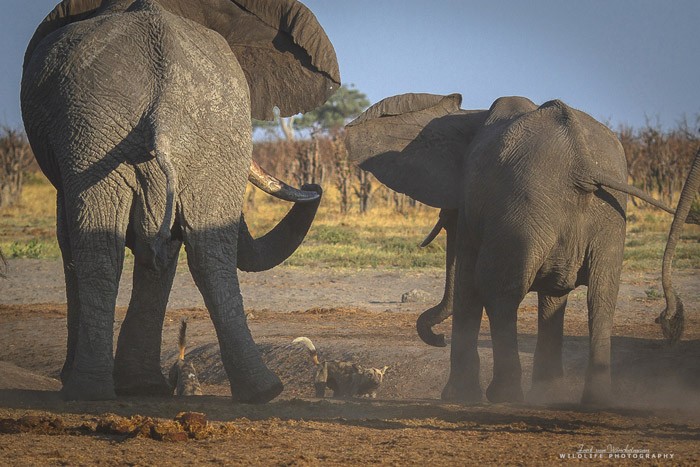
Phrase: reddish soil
[352,315]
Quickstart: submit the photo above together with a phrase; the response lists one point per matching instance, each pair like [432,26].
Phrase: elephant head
[409,142]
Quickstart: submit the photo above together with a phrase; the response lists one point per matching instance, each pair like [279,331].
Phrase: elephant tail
[594,179]
[161,153]
[310,347]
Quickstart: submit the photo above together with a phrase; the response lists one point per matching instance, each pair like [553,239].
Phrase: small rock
[416,295]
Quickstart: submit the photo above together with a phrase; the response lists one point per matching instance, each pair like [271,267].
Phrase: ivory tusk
[433,233]
[278,188]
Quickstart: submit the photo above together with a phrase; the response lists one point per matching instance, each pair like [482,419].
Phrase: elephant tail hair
[310,346]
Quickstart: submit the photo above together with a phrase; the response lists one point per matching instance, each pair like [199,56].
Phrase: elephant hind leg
[211,256]
[548,365]
[506,385]
[137,369]
[603,288]
[96,219]
[72,301]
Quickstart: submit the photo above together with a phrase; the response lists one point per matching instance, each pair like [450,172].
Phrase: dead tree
[307,166]
[363,190]
[342,172]
[15,159]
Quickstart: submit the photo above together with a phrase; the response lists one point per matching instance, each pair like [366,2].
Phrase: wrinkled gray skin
[139,112]
[533,199]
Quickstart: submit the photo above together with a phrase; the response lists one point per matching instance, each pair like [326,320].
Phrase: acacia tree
[345,104]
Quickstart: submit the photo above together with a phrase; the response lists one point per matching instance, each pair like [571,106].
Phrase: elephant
[532,198]
[139,113]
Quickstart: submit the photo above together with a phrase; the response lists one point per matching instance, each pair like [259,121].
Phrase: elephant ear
[289,61]
[415,144]
[285,54]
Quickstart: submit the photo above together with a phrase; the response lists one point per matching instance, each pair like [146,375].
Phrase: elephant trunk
[442,310]
[266,252]
[672,318]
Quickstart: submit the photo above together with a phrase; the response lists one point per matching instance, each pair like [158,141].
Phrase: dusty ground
[358,316]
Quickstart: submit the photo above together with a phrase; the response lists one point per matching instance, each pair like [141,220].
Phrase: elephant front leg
[137,369]
[506,385]
[548,353]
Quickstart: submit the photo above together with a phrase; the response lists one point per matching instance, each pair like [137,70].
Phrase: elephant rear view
[139,113]
[533,199]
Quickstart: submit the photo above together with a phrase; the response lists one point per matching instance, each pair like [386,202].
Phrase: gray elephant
[139,113]
[533,199]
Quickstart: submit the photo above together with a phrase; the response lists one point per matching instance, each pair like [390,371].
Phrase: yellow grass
[380,238]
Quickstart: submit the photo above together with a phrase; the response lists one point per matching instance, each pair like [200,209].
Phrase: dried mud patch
[657,410]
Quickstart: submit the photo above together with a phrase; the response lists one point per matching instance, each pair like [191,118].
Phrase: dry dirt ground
[353,315]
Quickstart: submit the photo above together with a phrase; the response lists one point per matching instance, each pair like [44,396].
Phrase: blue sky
[622,61]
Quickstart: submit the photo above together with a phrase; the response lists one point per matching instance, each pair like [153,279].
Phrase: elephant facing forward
[533,199]
[139,113]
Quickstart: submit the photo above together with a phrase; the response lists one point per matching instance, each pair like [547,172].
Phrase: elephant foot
[596,397]
[262,396]
[140,381]
[597,389]
[264,391]
[547,371]
[153,386]
[81,387]
[548,391]
[466,394]
[504,392]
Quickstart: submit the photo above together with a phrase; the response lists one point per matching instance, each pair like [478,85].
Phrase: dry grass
[380,238]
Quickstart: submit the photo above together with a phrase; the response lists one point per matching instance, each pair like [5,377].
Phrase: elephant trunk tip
[672,324]
[425,332]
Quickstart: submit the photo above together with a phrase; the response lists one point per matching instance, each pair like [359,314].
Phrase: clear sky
[622,61]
